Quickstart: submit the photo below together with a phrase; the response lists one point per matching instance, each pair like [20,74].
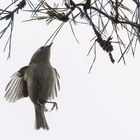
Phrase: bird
[39,81]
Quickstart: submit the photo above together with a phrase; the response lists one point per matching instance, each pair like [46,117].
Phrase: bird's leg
[42,106]
[54,105]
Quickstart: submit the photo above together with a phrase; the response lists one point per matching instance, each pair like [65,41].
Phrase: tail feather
[40,120]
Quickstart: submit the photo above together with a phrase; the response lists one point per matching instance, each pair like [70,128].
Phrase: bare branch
[107,19]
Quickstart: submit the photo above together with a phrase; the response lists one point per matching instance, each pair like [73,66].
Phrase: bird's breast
[41,82]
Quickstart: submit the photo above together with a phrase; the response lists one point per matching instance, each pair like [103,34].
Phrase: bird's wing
[57,84]
[17,87]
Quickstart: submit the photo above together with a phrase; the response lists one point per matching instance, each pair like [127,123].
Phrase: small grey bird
[39,80]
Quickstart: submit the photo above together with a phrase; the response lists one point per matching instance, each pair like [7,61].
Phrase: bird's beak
[50,44]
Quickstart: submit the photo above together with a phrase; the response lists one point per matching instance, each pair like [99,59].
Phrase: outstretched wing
[17,87]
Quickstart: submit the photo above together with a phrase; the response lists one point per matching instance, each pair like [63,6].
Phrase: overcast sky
[102,105]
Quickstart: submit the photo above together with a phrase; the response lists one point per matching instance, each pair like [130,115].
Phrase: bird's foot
[54,105]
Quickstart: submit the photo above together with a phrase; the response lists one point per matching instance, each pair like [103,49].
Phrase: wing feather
[17,86]
[57,84]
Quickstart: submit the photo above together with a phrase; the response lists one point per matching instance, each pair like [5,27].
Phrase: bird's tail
[40,120]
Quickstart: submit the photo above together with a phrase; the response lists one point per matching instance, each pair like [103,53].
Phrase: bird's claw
[54,106]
